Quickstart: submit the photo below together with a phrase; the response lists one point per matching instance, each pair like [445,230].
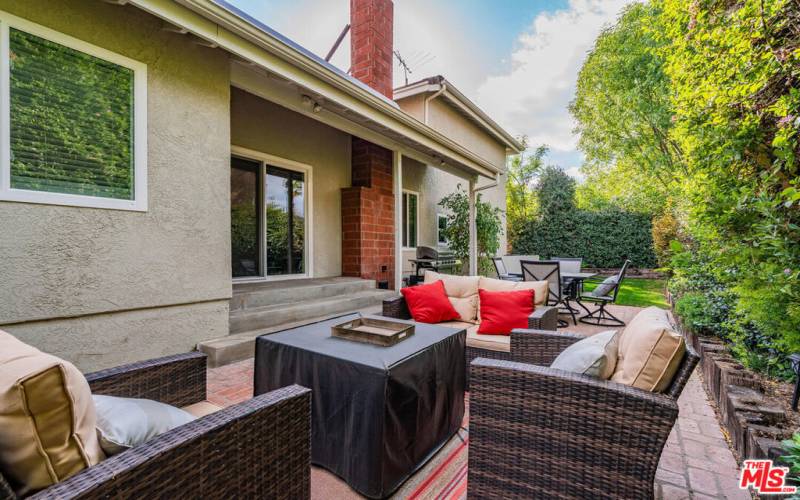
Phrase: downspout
[432,97]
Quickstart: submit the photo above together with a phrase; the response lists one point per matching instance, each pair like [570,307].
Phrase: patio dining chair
[502,272]
[605,293]
[512,262]
[550,271]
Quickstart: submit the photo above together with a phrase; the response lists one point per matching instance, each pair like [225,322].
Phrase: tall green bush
[702,98]
[602,238]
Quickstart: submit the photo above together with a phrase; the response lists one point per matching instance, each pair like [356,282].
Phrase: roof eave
[215,15]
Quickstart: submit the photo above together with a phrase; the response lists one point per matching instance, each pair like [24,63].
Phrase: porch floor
[696,463]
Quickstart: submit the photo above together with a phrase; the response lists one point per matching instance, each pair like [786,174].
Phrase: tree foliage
[520,184]
[487,220]
[624,115]
[718,84]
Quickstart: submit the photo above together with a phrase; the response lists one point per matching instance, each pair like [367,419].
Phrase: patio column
[473,229]
[397,170]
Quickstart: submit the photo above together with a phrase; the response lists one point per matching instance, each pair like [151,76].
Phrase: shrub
[603,239]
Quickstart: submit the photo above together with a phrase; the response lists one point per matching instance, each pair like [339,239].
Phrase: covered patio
[697,462]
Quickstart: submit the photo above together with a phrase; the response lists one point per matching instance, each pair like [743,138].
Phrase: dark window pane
[71,120]
[245,241]
[412,220]
[298,226]
[442,228]
[285,214]
[405,219]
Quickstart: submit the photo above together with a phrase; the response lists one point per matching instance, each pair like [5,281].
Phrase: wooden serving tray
[383,332]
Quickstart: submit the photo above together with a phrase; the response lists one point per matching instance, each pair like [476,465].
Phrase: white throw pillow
[123,423]
[595,356]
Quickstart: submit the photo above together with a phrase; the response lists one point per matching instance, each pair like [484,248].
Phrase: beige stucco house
[173,171]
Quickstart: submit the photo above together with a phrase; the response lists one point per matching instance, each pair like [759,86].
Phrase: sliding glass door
[285,214]
[246,247]
[268,220]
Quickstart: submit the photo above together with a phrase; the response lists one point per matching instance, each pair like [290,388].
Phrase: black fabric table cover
[378,413]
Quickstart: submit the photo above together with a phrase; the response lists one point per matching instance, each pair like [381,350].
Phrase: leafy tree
[702,100]
[488,224]
[520,185]
[624,115]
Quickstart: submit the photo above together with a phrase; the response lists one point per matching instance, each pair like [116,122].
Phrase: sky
[516,59]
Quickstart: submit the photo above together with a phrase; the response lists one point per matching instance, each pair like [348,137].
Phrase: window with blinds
[73,125]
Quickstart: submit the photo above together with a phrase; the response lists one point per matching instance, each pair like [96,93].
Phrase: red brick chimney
[372,43]
[368,232]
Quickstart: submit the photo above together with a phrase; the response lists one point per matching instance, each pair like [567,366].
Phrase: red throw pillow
[429,303]
[501,312]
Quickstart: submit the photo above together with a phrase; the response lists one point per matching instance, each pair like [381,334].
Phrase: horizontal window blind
[72,120]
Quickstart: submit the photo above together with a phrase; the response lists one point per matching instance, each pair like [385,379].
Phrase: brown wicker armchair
[537,432]
[256,449]
[543,318]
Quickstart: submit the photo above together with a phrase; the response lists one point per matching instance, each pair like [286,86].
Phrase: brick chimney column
[372,44]
[368,222]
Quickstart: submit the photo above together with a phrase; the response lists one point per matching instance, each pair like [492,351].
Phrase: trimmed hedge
[603,239]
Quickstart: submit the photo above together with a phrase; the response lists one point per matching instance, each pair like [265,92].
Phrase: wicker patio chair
[260,448]
[538,432]
[605,293]
[502,272]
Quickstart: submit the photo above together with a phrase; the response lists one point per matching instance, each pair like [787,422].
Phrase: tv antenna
[403,64]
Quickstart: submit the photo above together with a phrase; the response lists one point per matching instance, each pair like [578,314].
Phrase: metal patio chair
[605,293]
[550,271]
[502,272]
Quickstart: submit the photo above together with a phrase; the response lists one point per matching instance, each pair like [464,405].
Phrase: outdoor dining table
[572,283]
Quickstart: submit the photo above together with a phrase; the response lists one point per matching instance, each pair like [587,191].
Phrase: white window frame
[139,203]
[266,160]
[439,241]
[416,226]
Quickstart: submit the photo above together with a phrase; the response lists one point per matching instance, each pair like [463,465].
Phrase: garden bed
[755,411]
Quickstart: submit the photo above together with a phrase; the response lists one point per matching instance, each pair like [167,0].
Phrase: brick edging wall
[630,273]
[753,423]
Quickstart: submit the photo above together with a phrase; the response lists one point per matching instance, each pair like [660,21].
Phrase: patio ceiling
[297,78]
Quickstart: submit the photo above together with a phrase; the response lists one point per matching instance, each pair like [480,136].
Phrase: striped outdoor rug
[445,476]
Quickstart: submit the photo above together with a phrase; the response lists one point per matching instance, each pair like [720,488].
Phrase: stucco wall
[444,118]
[268,128]
[66,262]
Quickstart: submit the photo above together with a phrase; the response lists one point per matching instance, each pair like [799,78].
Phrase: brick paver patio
[696,464]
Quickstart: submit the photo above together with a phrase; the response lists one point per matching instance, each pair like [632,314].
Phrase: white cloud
[532,97]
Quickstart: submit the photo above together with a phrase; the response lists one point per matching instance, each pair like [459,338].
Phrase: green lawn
[639,292]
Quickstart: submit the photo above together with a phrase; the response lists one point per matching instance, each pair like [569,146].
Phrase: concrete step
[258,295]
[258,318]
[261,321]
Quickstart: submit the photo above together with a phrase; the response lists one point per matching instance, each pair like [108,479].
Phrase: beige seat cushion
[201,409]
[474,339]
[47,418]
[462,292]
[650,351]
[494,285]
